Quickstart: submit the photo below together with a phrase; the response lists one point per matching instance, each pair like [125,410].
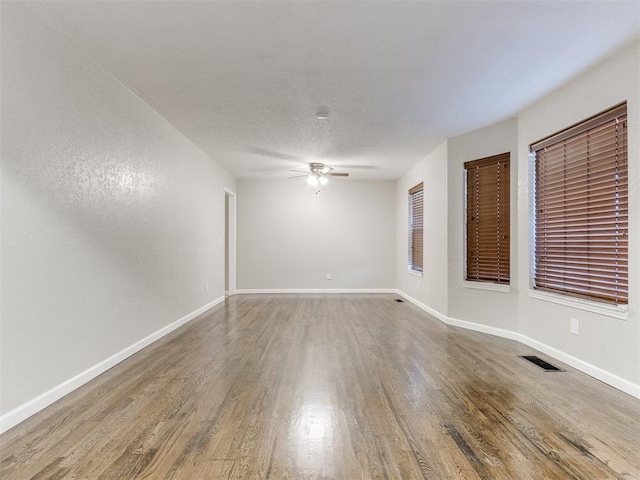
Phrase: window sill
[494,287]
[615,311]
[414,273]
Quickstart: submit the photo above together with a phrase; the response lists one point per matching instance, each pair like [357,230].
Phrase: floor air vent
[546,366]
[399,301]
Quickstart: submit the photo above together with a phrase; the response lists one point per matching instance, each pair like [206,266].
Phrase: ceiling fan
[318,173]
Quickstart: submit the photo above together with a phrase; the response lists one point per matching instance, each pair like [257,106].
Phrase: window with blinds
[581,209]
[487,219]
[416,224]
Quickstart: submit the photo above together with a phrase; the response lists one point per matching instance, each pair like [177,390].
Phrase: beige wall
[110,217]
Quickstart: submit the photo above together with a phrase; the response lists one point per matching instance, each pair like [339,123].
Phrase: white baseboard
[244,291]
[431,311]
[24,411]
[609,378]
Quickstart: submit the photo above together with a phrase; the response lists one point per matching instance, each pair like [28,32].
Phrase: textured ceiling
[243,80]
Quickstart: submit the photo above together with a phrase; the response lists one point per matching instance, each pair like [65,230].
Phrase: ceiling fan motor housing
[319,168]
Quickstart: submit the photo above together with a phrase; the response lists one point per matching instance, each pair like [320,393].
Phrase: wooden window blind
[487,219]
[416,225]
[581,209]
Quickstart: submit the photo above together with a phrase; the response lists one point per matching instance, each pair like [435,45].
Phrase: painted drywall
[608,343]
[289,237]
[606,347]
[430,288]
[492,308]
[112,221]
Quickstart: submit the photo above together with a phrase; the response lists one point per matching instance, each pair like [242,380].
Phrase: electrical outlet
[575,326]
[206,286]
[328,276]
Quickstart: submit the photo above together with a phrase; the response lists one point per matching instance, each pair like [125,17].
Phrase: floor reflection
[312,437]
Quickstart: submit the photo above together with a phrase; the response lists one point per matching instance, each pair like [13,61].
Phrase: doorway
[229,242]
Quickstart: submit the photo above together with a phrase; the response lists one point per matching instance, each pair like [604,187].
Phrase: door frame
[230,215]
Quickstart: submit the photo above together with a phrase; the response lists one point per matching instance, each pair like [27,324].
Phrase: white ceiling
[243,80]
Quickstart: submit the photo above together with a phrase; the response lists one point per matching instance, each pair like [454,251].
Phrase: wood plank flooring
[329,387]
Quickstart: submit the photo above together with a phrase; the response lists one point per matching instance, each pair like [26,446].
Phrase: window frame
[490,275]
[591,299]
[415,252]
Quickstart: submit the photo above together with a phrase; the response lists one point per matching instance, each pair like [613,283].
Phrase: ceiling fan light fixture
[313,180]
[319,173]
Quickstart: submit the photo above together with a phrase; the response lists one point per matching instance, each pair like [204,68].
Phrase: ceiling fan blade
[358,167]
[270,153]
[336,174]
[299,171]
[299,176]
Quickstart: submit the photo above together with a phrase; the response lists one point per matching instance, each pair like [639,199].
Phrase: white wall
[606,347]
[111,221]
[492,308]
[290,238]
[110,217]
[430,289]
[607,343]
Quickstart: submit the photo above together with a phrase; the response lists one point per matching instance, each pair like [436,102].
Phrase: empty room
[320,240]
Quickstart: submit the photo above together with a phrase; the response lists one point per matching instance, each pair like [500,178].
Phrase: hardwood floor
[335,387]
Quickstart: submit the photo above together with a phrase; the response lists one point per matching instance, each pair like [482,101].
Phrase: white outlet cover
[575,326]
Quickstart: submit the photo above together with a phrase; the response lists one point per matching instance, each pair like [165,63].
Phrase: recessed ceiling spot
[322,113]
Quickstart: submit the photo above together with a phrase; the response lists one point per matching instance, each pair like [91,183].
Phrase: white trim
[248,291]
[415,273]
[609,378]
[615,311]
[24,411]
[478,327]
[494,287]
[429,310]
[233,235]
[29,408]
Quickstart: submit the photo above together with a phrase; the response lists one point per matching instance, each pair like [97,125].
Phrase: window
[487,219]
[416,222]
[581,209]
